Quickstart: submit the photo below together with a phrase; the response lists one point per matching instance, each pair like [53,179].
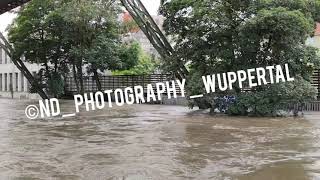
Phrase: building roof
[127,19]
[7,5]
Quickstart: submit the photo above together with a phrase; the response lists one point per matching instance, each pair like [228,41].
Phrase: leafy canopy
[65,33]
[216,36]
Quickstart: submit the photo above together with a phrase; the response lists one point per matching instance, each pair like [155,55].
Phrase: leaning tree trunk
[21,66]
[97,79]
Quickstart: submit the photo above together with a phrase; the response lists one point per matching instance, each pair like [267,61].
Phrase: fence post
[113,83]
[318,84]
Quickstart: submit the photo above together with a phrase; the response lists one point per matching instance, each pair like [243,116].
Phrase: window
[9,59]
[22,82]
[17,82]
[5,58]
[1,56]
[0,82]
[10,82]
[5,82]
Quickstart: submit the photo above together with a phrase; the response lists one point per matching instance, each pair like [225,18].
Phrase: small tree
[36,35]
[109,54]
[144,63]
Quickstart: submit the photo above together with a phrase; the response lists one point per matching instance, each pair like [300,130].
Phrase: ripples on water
[155,142]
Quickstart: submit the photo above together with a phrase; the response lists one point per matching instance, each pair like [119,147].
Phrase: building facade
[12,80]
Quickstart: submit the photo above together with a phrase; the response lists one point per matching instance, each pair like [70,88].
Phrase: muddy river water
[155,142]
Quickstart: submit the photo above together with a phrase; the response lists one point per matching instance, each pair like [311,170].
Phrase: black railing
[316,81]
[118,82]
[123,81]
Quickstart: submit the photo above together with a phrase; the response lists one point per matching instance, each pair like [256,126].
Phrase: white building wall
[11,75]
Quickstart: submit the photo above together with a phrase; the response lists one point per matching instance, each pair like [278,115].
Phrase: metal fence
[119,82]
[316,81]
[123,81]
[312,106]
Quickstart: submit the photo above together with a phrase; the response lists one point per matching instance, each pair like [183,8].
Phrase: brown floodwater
[155,142]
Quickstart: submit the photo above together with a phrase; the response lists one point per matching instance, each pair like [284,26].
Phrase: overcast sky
[151,5]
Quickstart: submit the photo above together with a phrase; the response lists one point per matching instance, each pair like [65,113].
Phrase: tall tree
[146,23]
[228,35]
[95,37]
[69,33]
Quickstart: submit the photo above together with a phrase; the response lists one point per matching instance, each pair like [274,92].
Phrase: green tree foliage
[36,35]
[70,34]
[146,64]
[129,53]
[228,35]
